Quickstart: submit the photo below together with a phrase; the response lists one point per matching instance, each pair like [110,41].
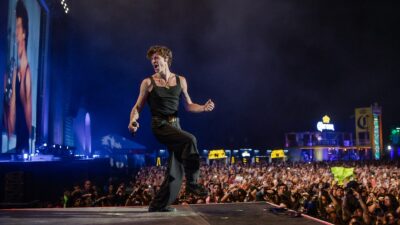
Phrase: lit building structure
[328,144]
[368,123]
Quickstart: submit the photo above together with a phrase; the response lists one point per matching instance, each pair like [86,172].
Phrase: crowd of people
[370,196]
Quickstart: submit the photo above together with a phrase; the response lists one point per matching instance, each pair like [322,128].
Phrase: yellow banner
[342,173]
[279,153]
[158,161]
[216,154]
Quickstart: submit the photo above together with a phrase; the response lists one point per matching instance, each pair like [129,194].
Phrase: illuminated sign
[395,136]
[278,153]
[325,125]
[217,154]
[376,138]
[158,161]
[245,154]
[326,119]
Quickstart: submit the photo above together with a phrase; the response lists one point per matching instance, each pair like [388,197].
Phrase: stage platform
[210,214]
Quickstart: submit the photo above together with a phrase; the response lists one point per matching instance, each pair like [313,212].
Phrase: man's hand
[209,106]
[133,126]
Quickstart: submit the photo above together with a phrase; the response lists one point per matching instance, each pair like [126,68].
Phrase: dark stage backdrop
[270,66]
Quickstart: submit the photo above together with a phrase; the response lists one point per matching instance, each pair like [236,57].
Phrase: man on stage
[17,100]
[162,91]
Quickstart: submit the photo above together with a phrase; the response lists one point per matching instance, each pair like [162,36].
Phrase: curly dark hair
[394,204]
[23,14]
[161,50]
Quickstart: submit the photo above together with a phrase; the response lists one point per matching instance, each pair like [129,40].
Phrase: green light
[395,135]
[376,140]
[395,131]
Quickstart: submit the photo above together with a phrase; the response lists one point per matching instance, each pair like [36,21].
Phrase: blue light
[25,156]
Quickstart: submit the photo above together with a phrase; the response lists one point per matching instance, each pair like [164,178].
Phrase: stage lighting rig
[65,5]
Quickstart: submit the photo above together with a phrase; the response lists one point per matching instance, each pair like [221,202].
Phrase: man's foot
[165,209]
[196,189]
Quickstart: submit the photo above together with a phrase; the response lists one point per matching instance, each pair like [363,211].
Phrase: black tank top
[21,129]
[164,101]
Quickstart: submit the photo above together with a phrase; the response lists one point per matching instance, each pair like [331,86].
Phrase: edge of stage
[199,214]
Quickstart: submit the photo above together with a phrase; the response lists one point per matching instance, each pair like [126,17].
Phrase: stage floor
[211,214]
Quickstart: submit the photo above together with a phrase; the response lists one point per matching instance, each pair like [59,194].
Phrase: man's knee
[191,139]
[192,162]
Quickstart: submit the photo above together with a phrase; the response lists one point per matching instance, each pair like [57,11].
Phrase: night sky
[271,67]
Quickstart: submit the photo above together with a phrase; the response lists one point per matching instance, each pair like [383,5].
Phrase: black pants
[183,159]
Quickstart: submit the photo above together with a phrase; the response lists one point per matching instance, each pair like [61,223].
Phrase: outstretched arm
[194,107]
[365,216]
[9,107]
[141,100]
[28,100]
